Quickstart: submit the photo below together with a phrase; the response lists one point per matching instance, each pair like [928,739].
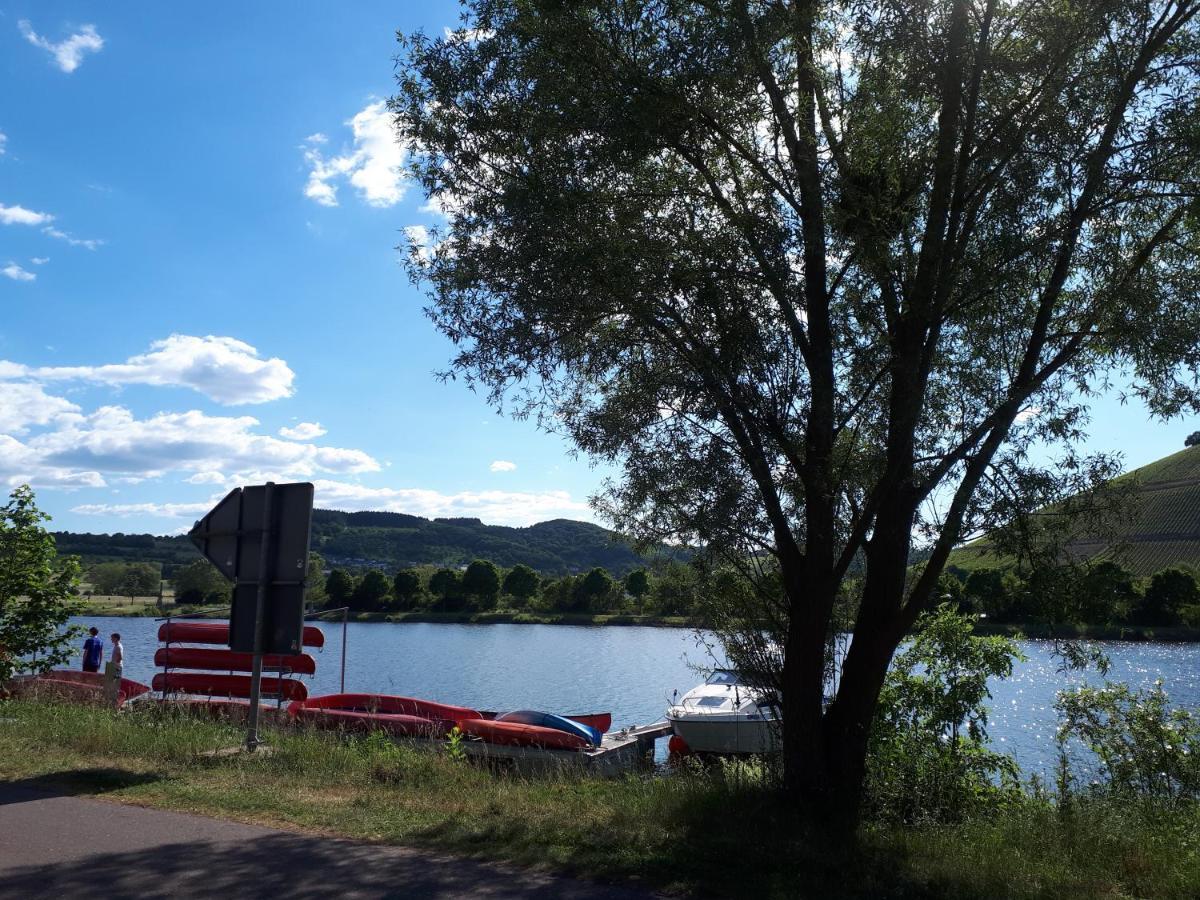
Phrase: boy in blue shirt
[93,651]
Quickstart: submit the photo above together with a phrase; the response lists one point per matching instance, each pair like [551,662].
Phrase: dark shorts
[88,668]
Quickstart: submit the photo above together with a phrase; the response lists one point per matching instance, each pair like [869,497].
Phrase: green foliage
[928,759]
[481,581]
[314,587]
[675,591]
[521,583]
[595,592]
[1145,747]
[133,579]
[370,594]
[446,586]
[454,745]
[37,590]
[1169,593]
[406,588]
[637,584]
[200,582]
[339,586]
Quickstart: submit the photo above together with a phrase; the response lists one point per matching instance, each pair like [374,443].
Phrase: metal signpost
[258,538]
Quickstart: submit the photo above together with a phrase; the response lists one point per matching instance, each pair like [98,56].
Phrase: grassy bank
[698,833]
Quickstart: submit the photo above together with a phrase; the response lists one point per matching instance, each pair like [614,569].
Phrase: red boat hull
[515,734]
[226,685]
[218,633]
[397,724]
[229,660]
[71,684]
[372,704]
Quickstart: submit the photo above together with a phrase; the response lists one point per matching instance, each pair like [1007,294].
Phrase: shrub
[1142,746]
[928,760]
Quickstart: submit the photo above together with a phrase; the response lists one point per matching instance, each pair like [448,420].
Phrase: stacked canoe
[224,673]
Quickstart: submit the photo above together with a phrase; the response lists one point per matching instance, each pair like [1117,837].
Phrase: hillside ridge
[391,540]
[1164,529]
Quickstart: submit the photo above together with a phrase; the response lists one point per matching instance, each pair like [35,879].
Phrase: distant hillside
[1164,531]
[395,540]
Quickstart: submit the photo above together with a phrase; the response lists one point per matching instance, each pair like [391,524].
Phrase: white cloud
[40,260]
[3,141]
[502,465]
[23,404]
[68,53]
[207,478]
[21,465]
[512,508]
[113,440]
[19,215]
[517,508]
[160,510]
[57,234]
[221,368]
[305,431]
[16,273]
[374,166]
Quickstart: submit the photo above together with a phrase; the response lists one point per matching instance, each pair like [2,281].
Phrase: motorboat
[726,715]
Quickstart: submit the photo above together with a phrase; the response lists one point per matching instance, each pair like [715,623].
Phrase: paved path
[59,846]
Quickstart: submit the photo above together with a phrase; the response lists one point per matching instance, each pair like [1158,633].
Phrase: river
[631,671]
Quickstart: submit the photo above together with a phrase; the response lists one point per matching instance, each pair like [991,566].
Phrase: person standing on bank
[118,653]
[93,651]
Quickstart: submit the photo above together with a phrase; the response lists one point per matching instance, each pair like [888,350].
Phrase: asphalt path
[56,845]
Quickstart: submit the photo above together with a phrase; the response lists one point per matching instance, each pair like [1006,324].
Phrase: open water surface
[631,671]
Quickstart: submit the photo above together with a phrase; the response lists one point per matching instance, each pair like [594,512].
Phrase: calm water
[631,671]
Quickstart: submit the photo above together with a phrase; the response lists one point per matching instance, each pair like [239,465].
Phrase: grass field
[715,832]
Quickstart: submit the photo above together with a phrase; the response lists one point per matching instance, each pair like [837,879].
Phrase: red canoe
[397,724]
[227,685]
[218,633]
[229,660]
[72,684]
[515,734]
[375,704]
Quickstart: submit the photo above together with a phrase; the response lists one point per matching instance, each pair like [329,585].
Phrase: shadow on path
[54,845]
[73,783]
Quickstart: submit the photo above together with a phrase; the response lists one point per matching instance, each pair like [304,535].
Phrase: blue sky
[199,209]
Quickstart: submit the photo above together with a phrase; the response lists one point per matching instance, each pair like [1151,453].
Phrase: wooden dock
[621,751]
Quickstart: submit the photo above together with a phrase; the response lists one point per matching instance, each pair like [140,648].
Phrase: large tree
[819,275]
[38,590]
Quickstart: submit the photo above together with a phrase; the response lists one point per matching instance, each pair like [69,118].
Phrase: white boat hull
[709,734]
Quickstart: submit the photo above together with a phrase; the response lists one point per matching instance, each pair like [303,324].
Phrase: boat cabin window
[712,701]
[723,676]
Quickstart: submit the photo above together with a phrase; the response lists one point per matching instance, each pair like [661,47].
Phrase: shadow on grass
[73,783]
[738,844]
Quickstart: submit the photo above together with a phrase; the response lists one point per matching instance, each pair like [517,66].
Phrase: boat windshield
[723,676]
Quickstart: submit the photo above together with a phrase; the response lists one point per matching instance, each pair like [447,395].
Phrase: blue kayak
[550,720]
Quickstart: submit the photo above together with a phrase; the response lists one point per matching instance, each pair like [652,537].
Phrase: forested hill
[394,540]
